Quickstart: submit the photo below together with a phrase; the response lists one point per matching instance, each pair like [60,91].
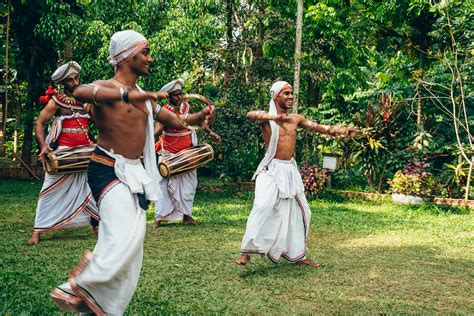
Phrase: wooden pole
[25,165]
[299,31]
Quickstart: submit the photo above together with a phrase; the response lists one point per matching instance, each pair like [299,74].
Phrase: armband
[259,115]
[94,93]
[156,110]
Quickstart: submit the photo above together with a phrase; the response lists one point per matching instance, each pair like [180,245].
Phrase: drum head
[49,163]
[164,170]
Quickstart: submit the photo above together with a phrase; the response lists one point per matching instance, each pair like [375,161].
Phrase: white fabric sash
[149,154]
[275,90]
[131,173]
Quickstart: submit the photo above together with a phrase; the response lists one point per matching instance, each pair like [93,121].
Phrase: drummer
[65,200]
[177,201]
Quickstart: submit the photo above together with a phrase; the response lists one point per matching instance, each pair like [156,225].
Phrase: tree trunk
[296,81]
[418,112]
[469,174]
[259,70]
[31,97]
[259,55]
[229,37]
[4,109]
[28,126]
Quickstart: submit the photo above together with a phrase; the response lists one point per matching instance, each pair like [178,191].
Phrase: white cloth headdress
[173,86]
[66,70]
[275,90]
[124,45]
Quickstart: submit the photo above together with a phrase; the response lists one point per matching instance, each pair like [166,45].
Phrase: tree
[296,82]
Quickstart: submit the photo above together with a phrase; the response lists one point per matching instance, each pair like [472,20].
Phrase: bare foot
[35,239]
[188,220]
[156,224]
[243,260]
[310,263]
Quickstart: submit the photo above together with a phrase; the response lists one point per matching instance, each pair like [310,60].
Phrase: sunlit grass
[377,258]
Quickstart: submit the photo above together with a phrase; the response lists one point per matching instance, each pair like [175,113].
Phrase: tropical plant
[314,179]
[414,184]
[375,146]
[455,178]
[415,180]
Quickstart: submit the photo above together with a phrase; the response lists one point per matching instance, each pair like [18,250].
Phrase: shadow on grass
[72,236]
[282,268]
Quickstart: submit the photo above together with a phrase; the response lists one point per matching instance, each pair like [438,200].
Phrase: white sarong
[178,197]
[279,222]
[109,279]
[65,201]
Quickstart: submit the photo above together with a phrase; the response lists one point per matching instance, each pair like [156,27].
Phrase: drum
[68,160]
[186,160]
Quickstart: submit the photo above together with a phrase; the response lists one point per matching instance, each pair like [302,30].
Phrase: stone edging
[387,197]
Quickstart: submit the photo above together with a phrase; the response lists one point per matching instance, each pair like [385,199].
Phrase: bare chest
[122,114]
[286,132]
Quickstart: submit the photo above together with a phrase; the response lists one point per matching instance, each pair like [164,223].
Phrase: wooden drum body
[68,160]
[186,160]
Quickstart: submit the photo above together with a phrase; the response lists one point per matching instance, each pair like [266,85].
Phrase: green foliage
[455,179]
[376,145]
[232,51]
[415,180]
[414,184]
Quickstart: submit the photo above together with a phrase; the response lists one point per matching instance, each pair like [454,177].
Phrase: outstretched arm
[328,129]
[263,117]
[205,116]
[103,93]
[45,115]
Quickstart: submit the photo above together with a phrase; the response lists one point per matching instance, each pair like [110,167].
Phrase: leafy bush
[415,180]
[455,179]
[314,179]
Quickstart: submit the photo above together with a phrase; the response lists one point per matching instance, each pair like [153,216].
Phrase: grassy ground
[378,258]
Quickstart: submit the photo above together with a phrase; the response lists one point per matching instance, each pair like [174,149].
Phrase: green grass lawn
[377,257]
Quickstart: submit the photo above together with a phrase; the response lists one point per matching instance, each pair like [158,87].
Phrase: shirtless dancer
[104,281]
[65,200]
[279,223]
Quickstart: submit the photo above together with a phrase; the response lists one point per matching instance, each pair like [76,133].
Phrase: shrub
[415,180]
[314,179]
